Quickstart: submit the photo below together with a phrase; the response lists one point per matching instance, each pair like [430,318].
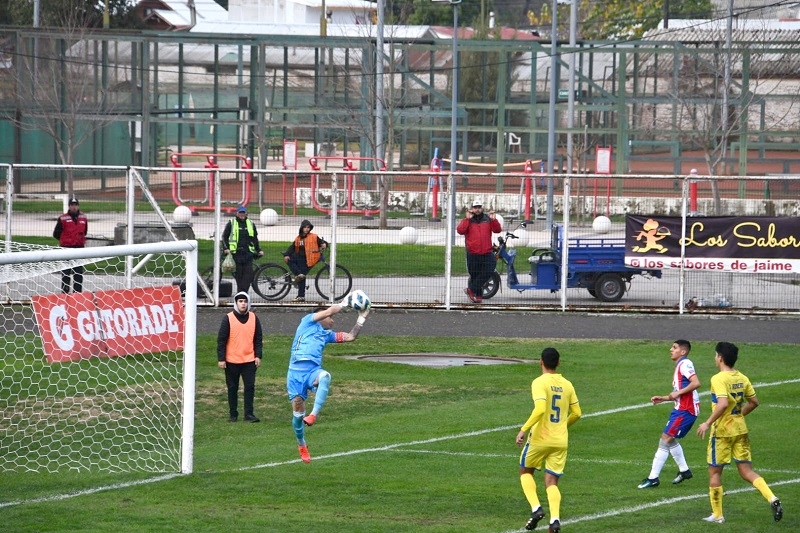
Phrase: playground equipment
[351,184]
[232,197]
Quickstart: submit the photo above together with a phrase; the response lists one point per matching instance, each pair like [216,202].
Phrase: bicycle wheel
[272,281]
[344,282]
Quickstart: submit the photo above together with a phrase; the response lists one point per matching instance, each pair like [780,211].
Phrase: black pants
[74,277]
[480,268]
[247,371]
[299,267]
[244,272]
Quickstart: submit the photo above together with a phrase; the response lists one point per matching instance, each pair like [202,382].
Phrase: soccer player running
[305,365]
[687,406]
[732,398]
[555,408]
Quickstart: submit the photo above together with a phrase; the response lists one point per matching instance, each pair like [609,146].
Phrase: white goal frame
[189,250]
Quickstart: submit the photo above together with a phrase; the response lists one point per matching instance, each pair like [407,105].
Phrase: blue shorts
[300,382]
[679,424]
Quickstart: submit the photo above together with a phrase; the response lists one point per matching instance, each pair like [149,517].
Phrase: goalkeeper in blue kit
[305,365]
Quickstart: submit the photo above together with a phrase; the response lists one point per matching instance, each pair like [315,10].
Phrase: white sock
[662,454]
[677,453]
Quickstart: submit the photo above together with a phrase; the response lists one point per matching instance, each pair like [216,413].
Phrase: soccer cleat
[682,476]
[777,509]
[715,519]
[309,420]
[555,527]
[533,521]
[647,483]
[304,455]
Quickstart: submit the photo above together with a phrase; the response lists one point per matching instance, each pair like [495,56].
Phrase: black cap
[74,201]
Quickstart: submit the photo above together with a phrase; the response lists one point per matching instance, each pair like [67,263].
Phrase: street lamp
[451,185]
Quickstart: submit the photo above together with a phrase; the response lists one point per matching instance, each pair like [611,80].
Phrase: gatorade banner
[109,323]
[726,244]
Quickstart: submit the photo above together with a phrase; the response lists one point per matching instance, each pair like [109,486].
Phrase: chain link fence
[407,253]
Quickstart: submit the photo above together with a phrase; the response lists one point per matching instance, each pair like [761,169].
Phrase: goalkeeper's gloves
[346,302]
[362,316]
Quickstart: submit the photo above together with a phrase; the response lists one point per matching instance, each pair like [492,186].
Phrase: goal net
[102,379]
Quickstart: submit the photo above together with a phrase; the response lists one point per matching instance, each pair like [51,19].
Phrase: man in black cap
[70,230]
[304,252]
[240,238]
[477,229]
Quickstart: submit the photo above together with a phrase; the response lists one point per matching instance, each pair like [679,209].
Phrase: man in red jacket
[70,230]
[477,229]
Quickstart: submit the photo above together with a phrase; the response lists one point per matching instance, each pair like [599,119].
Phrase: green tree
[623,19]
[53,12]
[429,13]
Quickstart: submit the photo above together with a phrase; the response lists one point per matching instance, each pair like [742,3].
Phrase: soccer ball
[359,300]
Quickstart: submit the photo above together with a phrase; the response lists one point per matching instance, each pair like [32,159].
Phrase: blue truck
[595,264]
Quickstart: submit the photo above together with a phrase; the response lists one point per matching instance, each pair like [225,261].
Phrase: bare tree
[720,94]
[57,87]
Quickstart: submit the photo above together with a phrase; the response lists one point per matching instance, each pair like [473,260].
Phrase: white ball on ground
[408,235]
[269,217]
[499,218]
[521,240]
[182,214]
[601,224]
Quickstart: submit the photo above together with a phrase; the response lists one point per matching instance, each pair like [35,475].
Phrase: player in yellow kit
[555,408]
[732,398]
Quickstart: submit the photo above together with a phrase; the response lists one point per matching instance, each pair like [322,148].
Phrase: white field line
[659,503]
[117,486]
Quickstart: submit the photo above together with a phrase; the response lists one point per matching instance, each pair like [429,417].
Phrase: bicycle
[273,281]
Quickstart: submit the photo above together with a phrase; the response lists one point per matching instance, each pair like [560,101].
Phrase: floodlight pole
[451,182]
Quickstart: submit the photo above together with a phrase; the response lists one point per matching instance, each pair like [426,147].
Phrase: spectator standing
[732,398]
[687,406]
[477,229]
[240,238]
[239,352]
[304,252]
[70,230]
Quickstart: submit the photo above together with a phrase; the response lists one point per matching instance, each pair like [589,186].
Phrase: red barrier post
[176,162]
[693,193]
[528,190]
[434,178]
[350,180]
[211,162]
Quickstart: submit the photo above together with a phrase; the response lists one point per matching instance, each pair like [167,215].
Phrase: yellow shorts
[553,459]
[722,449]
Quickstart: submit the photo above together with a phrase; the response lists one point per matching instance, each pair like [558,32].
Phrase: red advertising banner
[110,323]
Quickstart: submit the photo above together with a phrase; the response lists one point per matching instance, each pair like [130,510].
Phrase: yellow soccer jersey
[737,388]
[555,408]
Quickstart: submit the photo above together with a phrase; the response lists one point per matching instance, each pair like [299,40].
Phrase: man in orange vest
[304,252]
[239,351]
[70,230]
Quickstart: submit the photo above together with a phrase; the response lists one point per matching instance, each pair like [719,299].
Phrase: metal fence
[408,254]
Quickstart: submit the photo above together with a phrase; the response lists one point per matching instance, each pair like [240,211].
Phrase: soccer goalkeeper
[305,365]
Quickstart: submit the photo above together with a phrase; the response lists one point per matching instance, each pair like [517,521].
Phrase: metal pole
[379,146]
[551,131]
[451,186]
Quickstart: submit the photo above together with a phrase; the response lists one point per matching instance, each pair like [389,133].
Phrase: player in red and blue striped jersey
[687,406]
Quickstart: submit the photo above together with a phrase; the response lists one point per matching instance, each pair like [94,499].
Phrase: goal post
[100,380]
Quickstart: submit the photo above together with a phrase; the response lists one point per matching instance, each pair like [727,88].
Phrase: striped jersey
[684,370]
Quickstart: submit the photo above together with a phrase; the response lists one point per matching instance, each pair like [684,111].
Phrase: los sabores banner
[110,323]
[727,244]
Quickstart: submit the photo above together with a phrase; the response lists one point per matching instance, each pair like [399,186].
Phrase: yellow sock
[554,501]
[764,489]
[715,493]
[529,488]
